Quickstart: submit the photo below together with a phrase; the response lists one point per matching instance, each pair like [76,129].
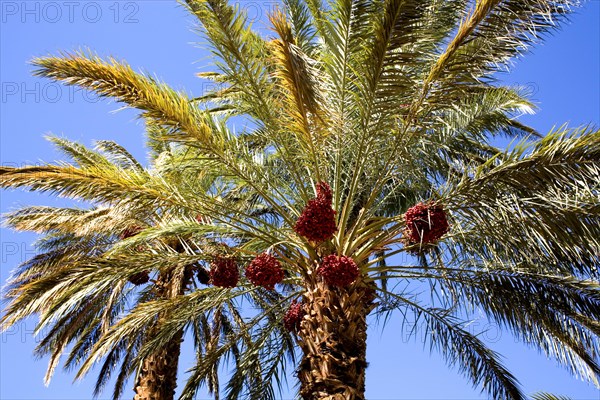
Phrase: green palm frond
[77,290]
[548,396]
[93,183]
[117,80]
[261,349]
[118,155]
[79,153]
[303,29]
[557,314]
[492,33]
[300,83]
[242,53]
[404,38]
[537,203]
[481,365]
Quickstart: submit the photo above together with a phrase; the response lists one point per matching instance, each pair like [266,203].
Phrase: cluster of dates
[425,223]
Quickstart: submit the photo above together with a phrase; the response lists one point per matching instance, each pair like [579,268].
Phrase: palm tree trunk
[334,342]
[157,378]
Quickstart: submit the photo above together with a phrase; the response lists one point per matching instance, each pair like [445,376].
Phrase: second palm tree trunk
[157,378]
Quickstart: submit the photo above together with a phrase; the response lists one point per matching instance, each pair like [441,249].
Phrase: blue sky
[157,36]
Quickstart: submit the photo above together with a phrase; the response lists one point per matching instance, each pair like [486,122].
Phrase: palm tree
[95,266]
[370,183]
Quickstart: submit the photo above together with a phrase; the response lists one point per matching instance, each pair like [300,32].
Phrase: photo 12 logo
[255,11]
[48,92]
[23,332]
[419,331]
[15,253]
[53,12]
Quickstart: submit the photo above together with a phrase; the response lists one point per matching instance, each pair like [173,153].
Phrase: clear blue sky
[157,35]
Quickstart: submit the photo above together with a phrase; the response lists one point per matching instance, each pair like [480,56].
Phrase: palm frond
[114,79]
[79,153]
[118,154]
[242,52]
[463,349]
[548,396]
[532,198]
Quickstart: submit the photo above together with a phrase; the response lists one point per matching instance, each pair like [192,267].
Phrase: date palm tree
[95,267]
[370,185]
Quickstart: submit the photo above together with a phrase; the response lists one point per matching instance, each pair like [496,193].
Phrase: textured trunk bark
[334,342]
[157,379]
